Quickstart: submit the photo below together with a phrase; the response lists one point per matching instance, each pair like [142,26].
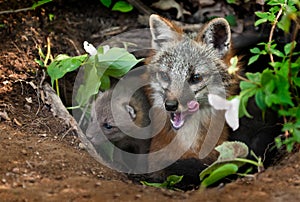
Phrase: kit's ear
[162,31]
[130,111]
[216,33]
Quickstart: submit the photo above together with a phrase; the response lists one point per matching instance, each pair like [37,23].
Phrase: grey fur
[98,132]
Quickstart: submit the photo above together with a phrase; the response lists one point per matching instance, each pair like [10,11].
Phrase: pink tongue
[193,106]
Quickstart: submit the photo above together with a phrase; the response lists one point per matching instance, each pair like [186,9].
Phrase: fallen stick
[60,111]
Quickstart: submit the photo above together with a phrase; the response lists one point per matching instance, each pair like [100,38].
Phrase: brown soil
[41,160]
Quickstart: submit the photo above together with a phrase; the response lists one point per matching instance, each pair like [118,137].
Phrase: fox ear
[162,31]
[131,111]
[217,34]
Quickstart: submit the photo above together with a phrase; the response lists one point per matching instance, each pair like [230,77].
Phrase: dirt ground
[41,160]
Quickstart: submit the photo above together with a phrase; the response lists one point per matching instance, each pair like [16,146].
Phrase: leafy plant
[98,68]
[219,173]
[40,3]
[232,156]
[121,6]
[63,64]
[58,66]
[170,182]
[51,17]
[277,87]
[115,62]
[33,7]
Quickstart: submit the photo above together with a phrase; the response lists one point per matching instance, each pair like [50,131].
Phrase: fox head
[184,70]
[102,120]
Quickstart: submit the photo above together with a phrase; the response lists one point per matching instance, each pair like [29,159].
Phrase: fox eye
[164,76]
[107,126]
[196,78]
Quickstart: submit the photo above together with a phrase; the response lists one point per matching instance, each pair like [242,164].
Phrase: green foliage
[116,62]
[277,87]
[51,16]
[40,3]
[98,69]
[121,6]
[171,181]
[232,156]
[224,165]
[106,3]
[63,64]
[219,173]
[288,8]
[232,1]
[231,19]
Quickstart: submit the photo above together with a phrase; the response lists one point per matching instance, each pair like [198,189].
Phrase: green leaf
[260,99]
[243,107]
[254,77]
[169,183]
[63,64]
[51,17]
[289,112]
[106,3]
[173,179]
[253,59]
[39,3]
[275,2]
[296,81]
[231,1]
[277,53]
[267,76]
[260,21]
[255,50]
[248,89]
[276,65]
[220,173]
[117,62]
[270,99]
[229,151]
[153,184]
[105,82]
[285,23]
[244,85]
[122,6]
[283,94]
[288,47]
[39,62]
[261,14]
[231,20]
[90,86]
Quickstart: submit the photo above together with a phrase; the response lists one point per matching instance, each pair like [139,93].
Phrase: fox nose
[171,105]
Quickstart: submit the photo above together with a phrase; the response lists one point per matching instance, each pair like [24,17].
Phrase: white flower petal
[218,102]
[105,48]
[231,107]
[89,48]
[232,114]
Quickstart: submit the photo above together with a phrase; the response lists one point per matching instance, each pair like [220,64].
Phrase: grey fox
[104,128]
[183,72]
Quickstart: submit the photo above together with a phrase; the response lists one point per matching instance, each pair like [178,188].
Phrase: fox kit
[103,126]
[183,72]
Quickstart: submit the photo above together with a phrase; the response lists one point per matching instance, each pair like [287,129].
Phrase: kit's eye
[107,126]
[164,76]
[196,78]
